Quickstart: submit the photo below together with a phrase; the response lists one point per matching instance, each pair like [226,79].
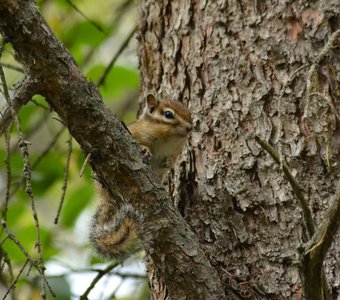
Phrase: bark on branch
[173,247]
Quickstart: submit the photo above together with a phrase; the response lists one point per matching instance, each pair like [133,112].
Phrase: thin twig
[130,275]
[32,130]
[297,188]
[82,170]
[97,278]
[123,7]
[12,67]
[27,168]
[9,88]
[11,236]
[10,270]
[315,282]
[39,159]
[48,148]
[102,79]
[64,187]
[96,270]
[8,172]
[34,263]
[317,244]
[11,287]
[322,238]
[93,23]
[113,294]
[313,273]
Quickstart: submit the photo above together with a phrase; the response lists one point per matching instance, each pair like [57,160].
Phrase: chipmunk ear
[151,103]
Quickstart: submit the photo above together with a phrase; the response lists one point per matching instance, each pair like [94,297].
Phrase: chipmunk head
[172,117]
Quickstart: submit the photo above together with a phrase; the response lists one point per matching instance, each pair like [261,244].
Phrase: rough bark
[168,240]
[232,61]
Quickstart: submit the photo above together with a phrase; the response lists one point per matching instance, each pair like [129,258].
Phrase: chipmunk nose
[189,128]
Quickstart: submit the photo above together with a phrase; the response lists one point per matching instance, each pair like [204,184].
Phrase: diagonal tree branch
[115,157]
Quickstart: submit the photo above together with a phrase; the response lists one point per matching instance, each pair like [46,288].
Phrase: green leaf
[40,100]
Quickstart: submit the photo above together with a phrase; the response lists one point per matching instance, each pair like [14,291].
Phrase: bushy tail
[115,234]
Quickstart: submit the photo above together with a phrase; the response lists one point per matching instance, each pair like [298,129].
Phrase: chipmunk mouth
[183,133]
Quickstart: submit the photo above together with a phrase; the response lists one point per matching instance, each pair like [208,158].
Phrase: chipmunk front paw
[146,154]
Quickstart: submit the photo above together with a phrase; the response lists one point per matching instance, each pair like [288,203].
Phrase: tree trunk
[233,63]
[116,158]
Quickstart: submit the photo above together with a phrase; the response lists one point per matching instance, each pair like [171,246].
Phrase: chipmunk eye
[168,114]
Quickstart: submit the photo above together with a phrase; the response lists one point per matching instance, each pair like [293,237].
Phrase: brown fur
[114,233]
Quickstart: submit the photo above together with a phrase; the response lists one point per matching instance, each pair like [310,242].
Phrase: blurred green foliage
[93,32]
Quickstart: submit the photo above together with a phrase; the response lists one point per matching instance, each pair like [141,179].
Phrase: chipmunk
[162,131]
